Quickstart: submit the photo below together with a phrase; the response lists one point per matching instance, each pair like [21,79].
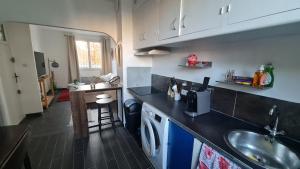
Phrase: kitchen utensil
[205,84]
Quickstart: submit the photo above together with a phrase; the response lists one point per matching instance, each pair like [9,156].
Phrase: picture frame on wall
[2,33]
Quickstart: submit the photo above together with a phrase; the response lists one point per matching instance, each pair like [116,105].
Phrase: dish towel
[207,157]
[211,159]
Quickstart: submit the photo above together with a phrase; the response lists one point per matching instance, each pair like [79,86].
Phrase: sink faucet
[274,115]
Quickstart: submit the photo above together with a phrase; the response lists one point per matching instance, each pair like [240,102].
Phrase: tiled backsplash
[248,107]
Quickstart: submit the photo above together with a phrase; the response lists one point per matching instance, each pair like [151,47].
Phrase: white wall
[244,56]
[95,15]
[10,107]
[51,41]
[53,44]
[19,40]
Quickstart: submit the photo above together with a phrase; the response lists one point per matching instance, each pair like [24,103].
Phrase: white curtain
[118,53]
[72,59]
[106,57]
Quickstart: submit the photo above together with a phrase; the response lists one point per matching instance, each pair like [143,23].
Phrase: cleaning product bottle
[269,75]
[257,76]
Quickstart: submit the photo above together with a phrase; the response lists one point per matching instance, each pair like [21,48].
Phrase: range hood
[152,52]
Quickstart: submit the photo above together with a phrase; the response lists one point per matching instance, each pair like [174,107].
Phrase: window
[89,54]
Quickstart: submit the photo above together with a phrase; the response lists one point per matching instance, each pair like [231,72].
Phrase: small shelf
[201,65]
[238,84]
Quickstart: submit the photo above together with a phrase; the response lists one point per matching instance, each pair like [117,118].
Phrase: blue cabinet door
[180,148]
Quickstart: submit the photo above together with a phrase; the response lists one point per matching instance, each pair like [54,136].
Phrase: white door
[169,18]
[10,100]
[245,10]
[200,15]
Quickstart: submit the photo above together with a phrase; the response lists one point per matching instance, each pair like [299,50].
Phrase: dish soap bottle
[269,75]
[257,76]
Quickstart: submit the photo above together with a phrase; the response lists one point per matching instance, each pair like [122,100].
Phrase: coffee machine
[198,101]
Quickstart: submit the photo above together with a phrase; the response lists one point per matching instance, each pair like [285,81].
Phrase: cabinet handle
[228,8]
[182,20]
[173,27]
[144,36]
[221,12]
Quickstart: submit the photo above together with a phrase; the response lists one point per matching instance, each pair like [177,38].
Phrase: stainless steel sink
[262,150]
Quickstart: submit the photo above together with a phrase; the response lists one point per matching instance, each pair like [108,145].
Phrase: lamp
[54,64]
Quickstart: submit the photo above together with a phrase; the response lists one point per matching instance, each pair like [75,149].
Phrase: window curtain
[106,57]
[118,53]
[72,59]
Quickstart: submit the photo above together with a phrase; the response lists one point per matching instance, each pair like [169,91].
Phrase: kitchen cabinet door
[138,26]
[245,10]
[200,15]
[169,18]
[150,9]
[145,21]
[180,148]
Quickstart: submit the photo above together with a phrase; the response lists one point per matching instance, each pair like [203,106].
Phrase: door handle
[221,11]
[144,36]
[228,8]
[182,20]
[173,27]
[16,77]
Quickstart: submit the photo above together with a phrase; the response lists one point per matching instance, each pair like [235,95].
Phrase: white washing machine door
[148,138]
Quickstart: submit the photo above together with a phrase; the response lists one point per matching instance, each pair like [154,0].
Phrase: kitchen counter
[210,128]
[98,87]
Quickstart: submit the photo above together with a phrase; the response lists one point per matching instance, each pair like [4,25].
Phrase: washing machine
[154,133]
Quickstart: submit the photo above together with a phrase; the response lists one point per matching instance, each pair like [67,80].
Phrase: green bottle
[269,70]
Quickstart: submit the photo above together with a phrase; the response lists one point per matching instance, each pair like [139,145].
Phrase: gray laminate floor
[52,145]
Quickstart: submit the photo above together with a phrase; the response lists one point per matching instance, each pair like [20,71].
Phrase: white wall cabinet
[145,19]
[201,15]
[169,18]
[245,10]
[138,27]
[183,20]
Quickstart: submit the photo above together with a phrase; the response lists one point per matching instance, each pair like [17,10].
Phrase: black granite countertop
[210,128]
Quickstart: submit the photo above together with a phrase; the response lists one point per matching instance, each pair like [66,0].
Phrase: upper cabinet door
[169,18]
[200,15]
[145,21]
[138,28]
[246,10]
[150,8]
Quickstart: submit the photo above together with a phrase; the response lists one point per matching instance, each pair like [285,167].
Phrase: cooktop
[145,90]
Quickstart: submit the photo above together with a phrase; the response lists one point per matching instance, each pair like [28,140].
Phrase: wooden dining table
[78,98]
